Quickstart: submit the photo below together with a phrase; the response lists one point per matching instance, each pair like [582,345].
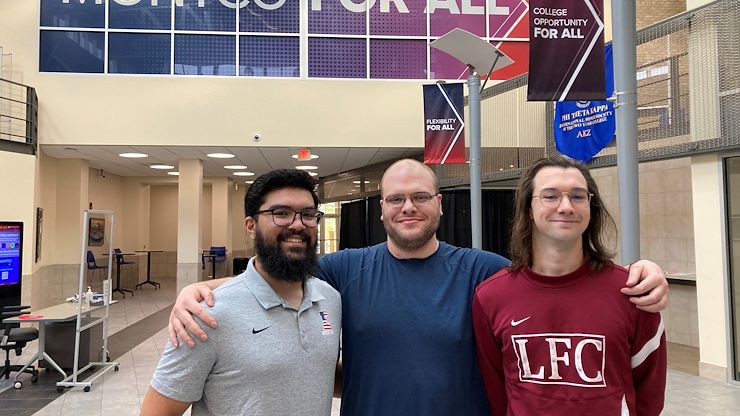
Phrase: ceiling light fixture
[248,181]
[243,173]
[360,181]
[220,155]
[306,167]
[313,173]
[311,157]
[235,167]
[133,155]
[174,173]
[162,167]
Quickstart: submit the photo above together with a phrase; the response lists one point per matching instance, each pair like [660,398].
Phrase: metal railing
[18,117]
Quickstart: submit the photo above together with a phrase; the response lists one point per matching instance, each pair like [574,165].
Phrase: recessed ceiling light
[243,173]
[306,167]
[235,167]
[312,157]
[248,181]
[174,173]
[313,173]
[360,181]
[162,167]
[220,155]
[133,155]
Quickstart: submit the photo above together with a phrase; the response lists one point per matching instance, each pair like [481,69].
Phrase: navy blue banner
[444,141]
[583,128]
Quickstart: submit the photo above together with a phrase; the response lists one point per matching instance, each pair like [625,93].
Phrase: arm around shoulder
[156,404]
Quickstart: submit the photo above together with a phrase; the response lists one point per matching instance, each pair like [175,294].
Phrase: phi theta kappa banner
[566,50]
[583,128]
[444,141]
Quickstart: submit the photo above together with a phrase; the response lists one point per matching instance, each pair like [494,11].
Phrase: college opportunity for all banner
[444,141]
[583,128]
[566,50]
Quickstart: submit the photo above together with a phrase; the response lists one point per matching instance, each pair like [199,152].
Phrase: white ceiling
[332,160]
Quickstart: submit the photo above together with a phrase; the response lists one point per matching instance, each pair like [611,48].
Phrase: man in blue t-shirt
[407,335]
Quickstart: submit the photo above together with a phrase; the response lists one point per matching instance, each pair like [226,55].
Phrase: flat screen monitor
[11,253]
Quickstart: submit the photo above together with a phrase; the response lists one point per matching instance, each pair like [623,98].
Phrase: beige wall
[17,184]
[163,218]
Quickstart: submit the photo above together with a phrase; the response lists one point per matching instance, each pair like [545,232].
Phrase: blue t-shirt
[407,333]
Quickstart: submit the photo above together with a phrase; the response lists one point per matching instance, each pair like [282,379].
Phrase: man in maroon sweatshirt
[554,334]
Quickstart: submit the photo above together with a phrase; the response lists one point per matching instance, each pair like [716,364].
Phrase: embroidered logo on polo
[257,331]
[326,328]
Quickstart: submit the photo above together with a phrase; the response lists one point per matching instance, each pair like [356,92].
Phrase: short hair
[275,180]
[413,162]
[595,235]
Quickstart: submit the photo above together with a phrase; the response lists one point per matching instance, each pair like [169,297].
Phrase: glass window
[142,15]
[212,16]
[269,56]
[412,22]
[732,194]
[205,55]
[398,58]
[336,58]
[333,18]
[69,51]
[138,53]
[257,18]
[76,13]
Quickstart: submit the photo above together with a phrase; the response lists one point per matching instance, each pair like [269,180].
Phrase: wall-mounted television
[11,253]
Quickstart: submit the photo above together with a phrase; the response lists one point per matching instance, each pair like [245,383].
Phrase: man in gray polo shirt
[275,349]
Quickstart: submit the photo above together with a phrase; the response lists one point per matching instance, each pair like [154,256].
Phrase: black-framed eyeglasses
[417,198]
[284,216]
[551,198]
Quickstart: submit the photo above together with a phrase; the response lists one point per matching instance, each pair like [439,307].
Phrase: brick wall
[653,11]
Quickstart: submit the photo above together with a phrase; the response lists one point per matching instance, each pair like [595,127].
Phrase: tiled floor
[120,393]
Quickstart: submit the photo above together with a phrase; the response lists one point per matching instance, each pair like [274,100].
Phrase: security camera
[256,137]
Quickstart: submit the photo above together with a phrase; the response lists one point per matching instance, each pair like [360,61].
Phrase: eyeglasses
[552,198]
[284,217]
[416,199]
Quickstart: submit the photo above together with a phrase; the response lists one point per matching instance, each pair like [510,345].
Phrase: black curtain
[360,224]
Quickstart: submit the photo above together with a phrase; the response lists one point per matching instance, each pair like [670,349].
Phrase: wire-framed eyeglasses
[284,216]
[553,198]
[417,198]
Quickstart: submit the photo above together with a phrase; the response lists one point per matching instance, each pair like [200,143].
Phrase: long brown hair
[594,238]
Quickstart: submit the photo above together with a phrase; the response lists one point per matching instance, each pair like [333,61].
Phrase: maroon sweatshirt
[567,345]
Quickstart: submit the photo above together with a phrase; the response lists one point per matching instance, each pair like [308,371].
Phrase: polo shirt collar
[267,297]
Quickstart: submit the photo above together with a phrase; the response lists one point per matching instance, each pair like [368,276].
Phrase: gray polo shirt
[264,358]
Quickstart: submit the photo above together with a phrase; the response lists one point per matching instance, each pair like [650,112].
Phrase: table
[212,259]
[58,313]
[119,261]
[148,268]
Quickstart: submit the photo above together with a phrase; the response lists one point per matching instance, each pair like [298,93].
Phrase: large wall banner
[583,128]
[444,141]
[566,52]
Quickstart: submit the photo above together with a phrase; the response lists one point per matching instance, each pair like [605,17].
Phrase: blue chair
[220,257]
[92,266]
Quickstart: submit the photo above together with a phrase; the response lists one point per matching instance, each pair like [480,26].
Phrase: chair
[119,257]
[15,338]
[92,266]
[220,253]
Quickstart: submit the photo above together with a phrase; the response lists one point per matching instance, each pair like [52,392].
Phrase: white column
[189,199]
[220,218]
[711,265]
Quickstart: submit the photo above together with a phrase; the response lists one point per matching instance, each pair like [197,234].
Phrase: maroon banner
[566,50]
[444,141]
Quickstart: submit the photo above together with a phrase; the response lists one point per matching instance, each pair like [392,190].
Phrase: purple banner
[566,52]
[444,138]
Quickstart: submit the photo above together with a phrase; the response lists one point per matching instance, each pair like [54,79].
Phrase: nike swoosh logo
[515,323]
[257,331]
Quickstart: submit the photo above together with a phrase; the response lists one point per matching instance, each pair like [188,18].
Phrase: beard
[409,242]
[277,264]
